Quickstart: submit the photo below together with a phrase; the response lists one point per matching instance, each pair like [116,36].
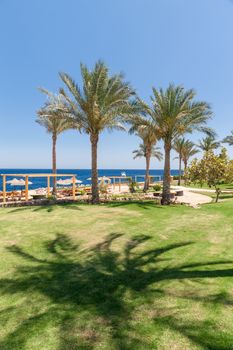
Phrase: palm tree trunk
[179,181]
[94,170]
[146,183]
[167,176]
[185,168]
[54,161]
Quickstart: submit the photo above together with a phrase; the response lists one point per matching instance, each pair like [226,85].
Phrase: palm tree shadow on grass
[94,292]
[49,207]
[144,204]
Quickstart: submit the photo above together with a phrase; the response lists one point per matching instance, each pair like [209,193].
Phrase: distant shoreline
[81,174]
[87,169]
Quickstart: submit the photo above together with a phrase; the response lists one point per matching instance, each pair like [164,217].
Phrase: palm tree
[147,151]
[208,143]
[102,103]
[178,147]
[188,151]
[149,137]
[175,113]
[53,116]
[229,139]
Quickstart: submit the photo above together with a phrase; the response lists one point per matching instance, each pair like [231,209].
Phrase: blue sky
[153,42]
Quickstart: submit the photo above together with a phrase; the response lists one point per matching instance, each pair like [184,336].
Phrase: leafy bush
[133,186]
[103,187]
[51,197]
[176,177]
[157,188]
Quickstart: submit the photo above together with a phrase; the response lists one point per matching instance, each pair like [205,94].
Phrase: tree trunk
[218,191]
[94,175]
[185,168]
[179,181]
[54,161]
[147,179]
[167,175]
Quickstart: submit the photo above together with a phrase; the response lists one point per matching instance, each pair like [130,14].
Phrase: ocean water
[81,174]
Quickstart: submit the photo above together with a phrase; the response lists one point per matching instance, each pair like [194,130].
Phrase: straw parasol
[67,182]
[14,182]
[78,181]
[17,182]
[102,178]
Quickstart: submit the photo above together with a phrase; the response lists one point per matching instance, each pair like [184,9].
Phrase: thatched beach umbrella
[14,182]
[67,182]
[18,182]
[102,178]
[78,181]
[64,182]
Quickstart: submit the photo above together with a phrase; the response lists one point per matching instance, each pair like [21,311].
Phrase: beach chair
[88,190]
[22,195]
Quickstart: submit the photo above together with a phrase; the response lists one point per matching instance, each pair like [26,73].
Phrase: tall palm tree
[229,139]
[175,113]
[188,151]
[208,143]
[53,116]
[143,151]
[178,147]
[101,103]
[148,135]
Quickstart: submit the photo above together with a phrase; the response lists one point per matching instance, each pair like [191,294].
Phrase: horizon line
[26,168]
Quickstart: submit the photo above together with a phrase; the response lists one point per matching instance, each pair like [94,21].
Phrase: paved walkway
[191,198]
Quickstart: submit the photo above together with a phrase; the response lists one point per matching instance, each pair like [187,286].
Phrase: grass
[222,196]
[223,187]
[120,276]
[205,186]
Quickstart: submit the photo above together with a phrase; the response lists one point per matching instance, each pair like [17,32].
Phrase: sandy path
[191,198]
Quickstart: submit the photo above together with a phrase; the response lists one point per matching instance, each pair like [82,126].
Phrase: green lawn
[223,187]
[222,196]
[120,276]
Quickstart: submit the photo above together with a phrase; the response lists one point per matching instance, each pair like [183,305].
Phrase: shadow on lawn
[92,295]
[78,206]
[141,204]
[48,207]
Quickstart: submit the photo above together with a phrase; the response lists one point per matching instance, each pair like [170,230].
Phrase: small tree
[55,118]
[195,173]
[208,143]
[216,171]
[178,147]
[147,149]
[212,169]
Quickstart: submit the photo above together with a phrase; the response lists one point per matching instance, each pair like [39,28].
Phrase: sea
[81,174]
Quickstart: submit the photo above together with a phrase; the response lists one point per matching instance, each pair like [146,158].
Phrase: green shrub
[176,177]
[157,188]
[51,197]
[133,186]
[103,187]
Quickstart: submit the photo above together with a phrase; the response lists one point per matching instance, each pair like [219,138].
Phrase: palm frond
[229,139]
[54,115]
[104,102]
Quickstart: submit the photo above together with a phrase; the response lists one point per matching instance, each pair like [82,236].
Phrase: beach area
[116,175]
[83,174]
[115,187]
